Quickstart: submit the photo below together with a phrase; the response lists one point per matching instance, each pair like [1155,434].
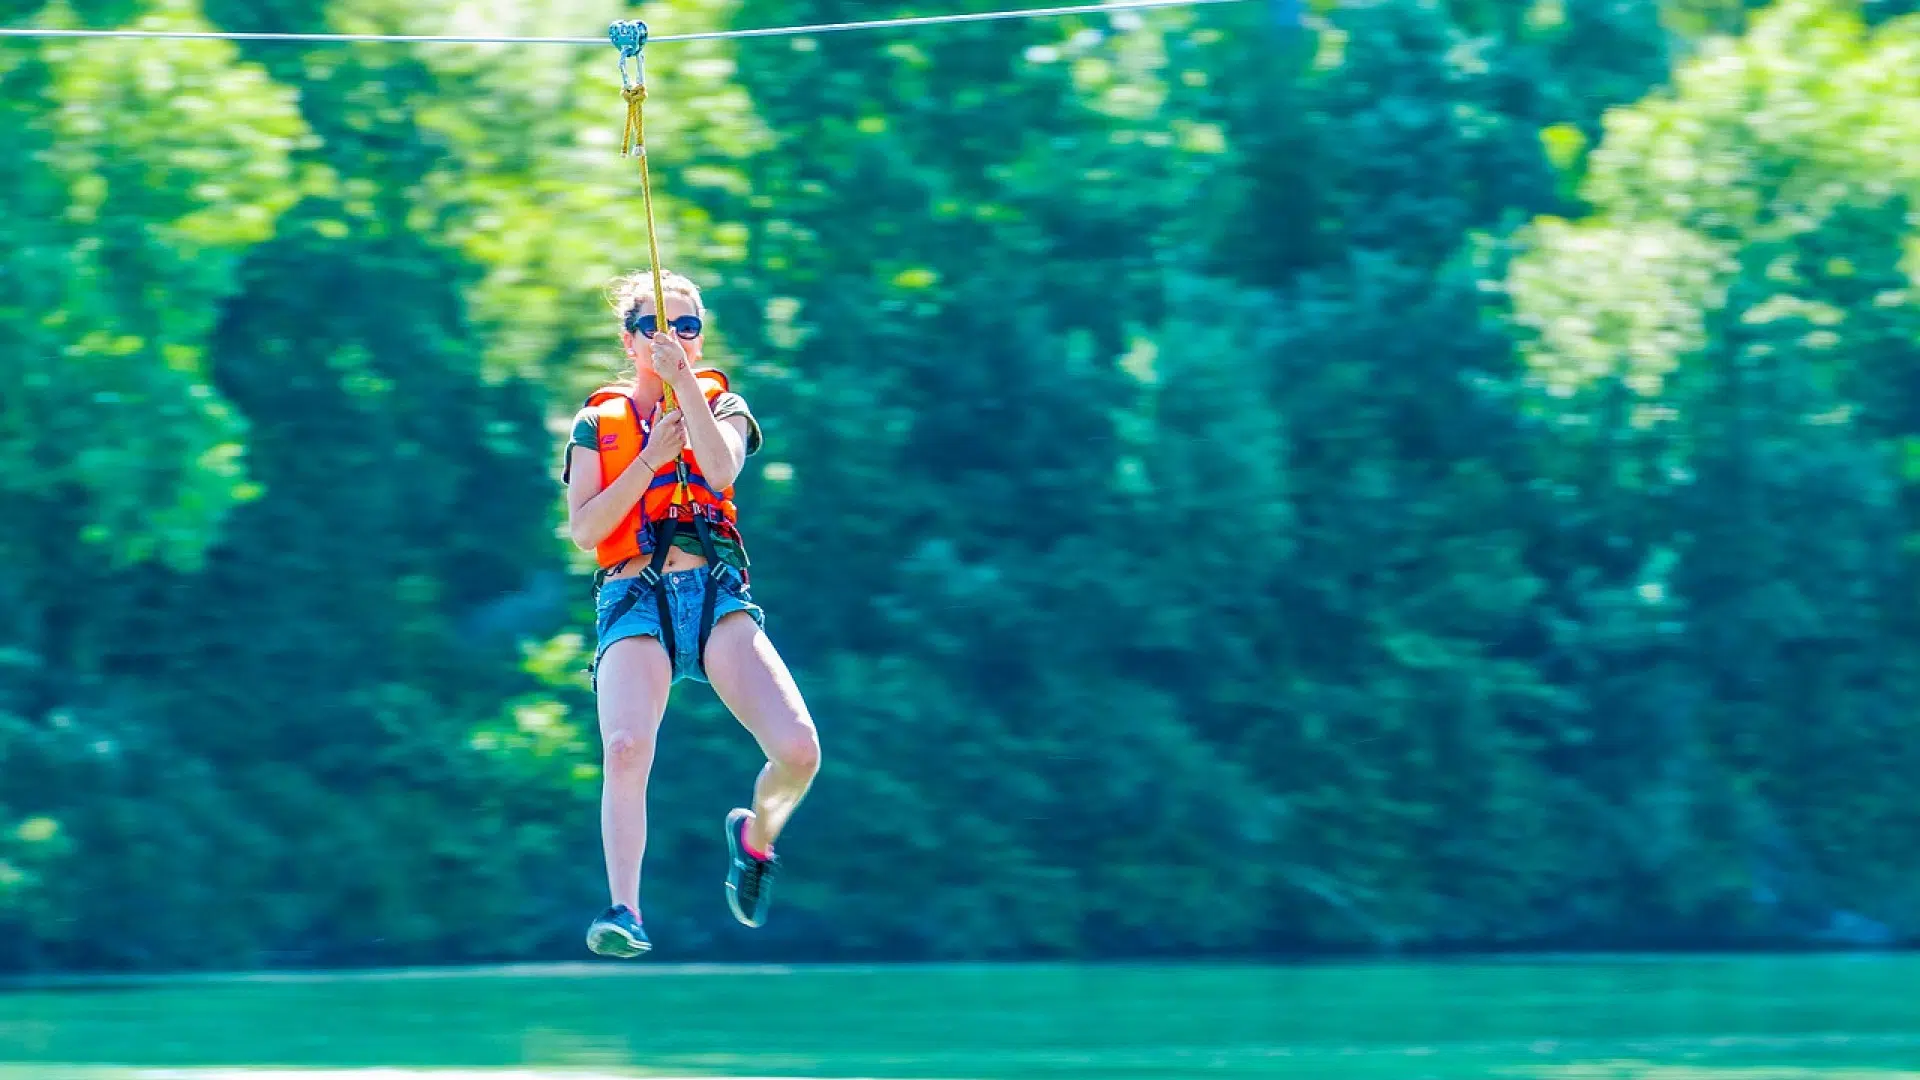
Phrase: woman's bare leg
[634,679]
[754,683]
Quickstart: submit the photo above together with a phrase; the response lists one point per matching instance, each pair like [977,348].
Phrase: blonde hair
[627,291]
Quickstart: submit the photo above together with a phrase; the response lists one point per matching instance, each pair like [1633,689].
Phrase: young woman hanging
[649,471]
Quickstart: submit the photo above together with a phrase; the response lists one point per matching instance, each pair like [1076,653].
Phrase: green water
[1819,1018]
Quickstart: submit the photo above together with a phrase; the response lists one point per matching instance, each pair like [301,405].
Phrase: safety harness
[652,578]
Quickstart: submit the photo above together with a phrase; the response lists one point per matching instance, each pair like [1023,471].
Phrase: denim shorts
[686,593]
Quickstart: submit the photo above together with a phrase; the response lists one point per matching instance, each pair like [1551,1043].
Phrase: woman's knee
[633,687]
[628,753]
[798,752]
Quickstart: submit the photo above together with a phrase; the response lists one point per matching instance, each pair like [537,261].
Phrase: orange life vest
[623,434]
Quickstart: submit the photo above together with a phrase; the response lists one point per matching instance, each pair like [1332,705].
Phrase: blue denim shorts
[686,592]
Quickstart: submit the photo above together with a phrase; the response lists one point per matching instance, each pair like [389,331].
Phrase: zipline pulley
[630,37]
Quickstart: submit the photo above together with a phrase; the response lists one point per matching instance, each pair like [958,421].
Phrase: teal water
[1831,1018]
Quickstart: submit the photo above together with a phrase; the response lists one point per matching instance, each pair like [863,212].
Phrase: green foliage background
[1441,476]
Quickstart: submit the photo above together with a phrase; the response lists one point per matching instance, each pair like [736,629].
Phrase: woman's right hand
[664,442]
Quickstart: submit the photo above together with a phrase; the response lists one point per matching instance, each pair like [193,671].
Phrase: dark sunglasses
[686,326]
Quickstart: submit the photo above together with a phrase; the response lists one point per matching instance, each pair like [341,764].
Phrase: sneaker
[749,880]
[617,932]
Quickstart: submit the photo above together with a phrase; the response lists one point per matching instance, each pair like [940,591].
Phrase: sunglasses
[686,326]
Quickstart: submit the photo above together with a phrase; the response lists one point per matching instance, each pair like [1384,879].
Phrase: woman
[650,492]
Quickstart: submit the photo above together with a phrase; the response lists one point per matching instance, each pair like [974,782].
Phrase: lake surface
[1789,1018]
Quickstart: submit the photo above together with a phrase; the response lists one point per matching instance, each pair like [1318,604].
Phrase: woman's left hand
[671,361]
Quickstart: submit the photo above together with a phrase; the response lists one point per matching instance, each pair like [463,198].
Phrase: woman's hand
[674,366]
[664,442]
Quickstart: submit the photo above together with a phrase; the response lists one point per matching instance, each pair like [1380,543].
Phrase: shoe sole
[615,942]
[739,858]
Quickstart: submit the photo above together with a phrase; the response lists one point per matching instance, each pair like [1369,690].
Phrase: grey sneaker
[617,932]
[749,880]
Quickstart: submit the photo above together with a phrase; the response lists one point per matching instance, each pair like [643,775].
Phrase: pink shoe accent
[747,846]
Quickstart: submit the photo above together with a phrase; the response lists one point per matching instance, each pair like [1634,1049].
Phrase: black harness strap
[714,569]
[655,576]
[652,578]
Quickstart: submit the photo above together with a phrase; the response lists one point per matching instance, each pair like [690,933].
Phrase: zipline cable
[1113,7]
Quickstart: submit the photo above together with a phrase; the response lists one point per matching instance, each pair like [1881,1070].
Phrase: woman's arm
[592,512]
[720,445]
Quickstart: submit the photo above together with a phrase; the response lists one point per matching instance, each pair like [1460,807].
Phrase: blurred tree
[138,180]
[1727,349]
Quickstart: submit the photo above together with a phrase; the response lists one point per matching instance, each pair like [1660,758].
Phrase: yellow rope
[633,143]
